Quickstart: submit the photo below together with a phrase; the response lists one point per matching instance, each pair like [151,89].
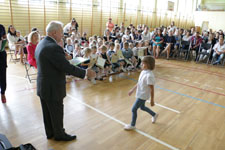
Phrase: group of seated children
[122,48]
[106,58]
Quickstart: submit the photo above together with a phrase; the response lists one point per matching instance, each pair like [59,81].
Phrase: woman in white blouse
[14,42]
[73,25]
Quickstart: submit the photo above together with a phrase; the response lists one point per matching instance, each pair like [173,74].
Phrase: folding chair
[28,74]
[206,47]
[4,142]
[6,145]
[185,48]
[222,62]
[12,56]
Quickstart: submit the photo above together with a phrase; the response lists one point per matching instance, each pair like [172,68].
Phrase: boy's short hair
[93,47]
[76,42]
[77,45]
[150,62]
[103,47]
[106,43]
[111,44]
[126,44]
[136,44]
[68,39]
[117,44]
[34,29]
[87,50]
[139,31]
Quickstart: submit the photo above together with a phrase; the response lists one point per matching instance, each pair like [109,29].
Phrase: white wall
[216,19]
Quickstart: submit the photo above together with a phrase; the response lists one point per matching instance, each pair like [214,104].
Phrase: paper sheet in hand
[114,58]
[93,61]
[141,52]
[77,60]
[128,62]
[120,54]
[100,62]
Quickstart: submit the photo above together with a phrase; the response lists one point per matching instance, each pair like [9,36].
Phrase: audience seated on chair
[157,43]
[187,36]
[170,42]
[14,43]
[219,50]
[146,35]
[196,40]
[33,40]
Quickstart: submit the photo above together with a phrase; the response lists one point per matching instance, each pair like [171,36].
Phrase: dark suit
[51,84]
[3,62]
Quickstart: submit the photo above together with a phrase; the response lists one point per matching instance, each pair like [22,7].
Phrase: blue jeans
[139,104]
[218,57]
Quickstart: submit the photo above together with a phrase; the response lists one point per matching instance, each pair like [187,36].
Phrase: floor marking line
[198,99]
[191,86]
[171,109]
[194,69]
[167,108]
[219,88]
[122,123]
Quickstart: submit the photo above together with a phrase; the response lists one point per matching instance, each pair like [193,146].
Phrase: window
[147,6]
[131,6]
[108,5]
[85,4]
[162,5]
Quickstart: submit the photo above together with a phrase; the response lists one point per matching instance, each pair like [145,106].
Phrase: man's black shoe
[50,137]
[66,137]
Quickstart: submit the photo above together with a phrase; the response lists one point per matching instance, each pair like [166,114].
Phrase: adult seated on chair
[219,50]
[146,35]
[211,40]
[23,42]
[157,43]
[170,41]
[172,26]
[187,36]
[73,25]
[193,31]
[178,38]
[33,40]
[195,43]
[14,44]
[205,37]
[107,35]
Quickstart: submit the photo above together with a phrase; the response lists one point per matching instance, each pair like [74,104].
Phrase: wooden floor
[190,101]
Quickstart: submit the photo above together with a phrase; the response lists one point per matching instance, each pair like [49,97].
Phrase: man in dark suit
[52,67]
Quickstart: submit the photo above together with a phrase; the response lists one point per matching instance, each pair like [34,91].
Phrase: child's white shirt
[146,78]
[94,56]
[135,51]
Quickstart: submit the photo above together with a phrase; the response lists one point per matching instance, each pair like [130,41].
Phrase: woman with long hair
[14,42]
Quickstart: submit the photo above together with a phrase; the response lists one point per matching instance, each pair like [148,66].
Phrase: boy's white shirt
[135,51]
[146,78]
[94,56]
[93,59]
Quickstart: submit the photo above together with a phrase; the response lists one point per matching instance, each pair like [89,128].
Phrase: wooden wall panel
[91,15]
